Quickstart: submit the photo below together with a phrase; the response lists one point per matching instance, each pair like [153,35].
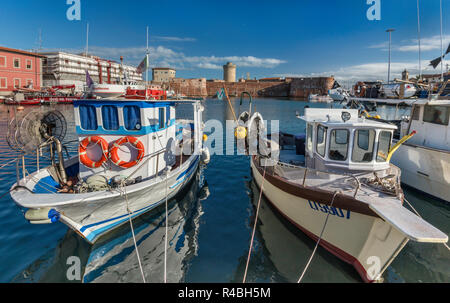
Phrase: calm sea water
[209,230]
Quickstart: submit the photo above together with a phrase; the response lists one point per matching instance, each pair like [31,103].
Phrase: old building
[19,69]
[229,72]
[61,68]
[163,74]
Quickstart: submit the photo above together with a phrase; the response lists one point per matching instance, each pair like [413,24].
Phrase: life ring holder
[82,151]
[113,152]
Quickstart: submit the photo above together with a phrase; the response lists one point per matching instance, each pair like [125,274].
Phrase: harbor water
[209,229]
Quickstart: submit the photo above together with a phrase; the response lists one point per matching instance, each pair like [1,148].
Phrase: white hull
[425,169]
[355,238]
[94,214]
[108,90]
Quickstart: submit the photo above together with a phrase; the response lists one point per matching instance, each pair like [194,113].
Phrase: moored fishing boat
[336,184]
[133,154]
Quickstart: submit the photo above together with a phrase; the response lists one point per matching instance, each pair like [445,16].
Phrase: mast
[146,70]
[418,34]
[442,47]
[87,40]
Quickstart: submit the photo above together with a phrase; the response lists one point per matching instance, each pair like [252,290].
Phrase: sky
[263,38]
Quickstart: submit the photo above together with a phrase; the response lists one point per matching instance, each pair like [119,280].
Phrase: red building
[19,69]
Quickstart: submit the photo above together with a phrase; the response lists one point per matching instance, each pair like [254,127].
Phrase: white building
[163,74]
[60,68]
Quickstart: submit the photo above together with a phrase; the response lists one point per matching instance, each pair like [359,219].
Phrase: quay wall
[290,87]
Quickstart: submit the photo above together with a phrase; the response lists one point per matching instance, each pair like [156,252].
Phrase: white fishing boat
[336,184]
[394,90]
[425,158]
[338,94]
[133,154]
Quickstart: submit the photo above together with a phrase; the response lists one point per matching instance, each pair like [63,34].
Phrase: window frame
[6,63]
[14,83]
[103,118]
[378,145]
[346,143]
[324,140]
[356,143]
[14,63]
[161,122]
[125,120]
[26,64]
[6,82]
[81,121]
[447,116]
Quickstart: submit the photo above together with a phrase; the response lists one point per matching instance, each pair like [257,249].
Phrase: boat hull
[425,169]
[95,214]
[355,236]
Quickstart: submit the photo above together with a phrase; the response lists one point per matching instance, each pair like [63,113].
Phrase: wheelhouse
[340,140]
[150,125]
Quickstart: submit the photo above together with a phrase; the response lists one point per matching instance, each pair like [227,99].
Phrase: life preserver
[113,152]
[84,159]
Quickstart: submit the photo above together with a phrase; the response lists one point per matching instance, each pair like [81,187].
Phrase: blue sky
[264,38]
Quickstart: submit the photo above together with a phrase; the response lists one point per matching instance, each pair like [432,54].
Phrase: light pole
[389,63]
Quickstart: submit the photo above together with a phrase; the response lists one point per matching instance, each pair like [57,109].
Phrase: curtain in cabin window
[167,116]
[132,117]
[88,117]
[110,117]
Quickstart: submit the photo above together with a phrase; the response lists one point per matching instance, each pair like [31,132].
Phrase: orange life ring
[84,159]
[115,148]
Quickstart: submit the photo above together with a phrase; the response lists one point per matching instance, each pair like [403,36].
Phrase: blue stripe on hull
[121,219]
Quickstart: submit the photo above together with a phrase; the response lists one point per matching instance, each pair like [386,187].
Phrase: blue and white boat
[133,154]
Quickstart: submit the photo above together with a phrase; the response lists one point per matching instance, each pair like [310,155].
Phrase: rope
[231,106]
[254,226]
[417,213]
[318,240]
[165,242]
[132,232]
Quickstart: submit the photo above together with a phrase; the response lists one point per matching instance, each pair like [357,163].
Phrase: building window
[110,117]
[16,63]
[16,83]
[29,83]
[29,64]
[338,144]
[384,144]
[363,145]
[436,114]
[2,61]
[3,82]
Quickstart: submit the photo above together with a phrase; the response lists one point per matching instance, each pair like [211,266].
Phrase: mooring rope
[167,226]
[417,213]
[254,225]
[318,240]
[132,232]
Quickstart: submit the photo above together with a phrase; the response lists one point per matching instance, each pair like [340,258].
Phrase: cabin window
[110,117]
[132,117]
[436,114]
[321,140]
[88,117]
[384,144]
[161,117]
[167,117]
[309,132]
[363,143]
[338,144]
[415,113]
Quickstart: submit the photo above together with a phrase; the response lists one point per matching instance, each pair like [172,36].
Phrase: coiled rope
[254,225]
[318,240]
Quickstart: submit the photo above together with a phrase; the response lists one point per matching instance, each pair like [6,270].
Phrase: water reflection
[113,257]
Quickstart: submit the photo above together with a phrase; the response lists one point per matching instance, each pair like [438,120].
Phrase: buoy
[240,132]
[205,138]
[42,215]
[206,156]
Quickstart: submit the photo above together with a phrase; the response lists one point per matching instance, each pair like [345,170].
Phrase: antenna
[146,68]
[442,47]
[87,40]
[418,34]
[40,40]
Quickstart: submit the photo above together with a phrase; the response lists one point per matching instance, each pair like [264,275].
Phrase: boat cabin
[430,120]
[138,129]
[338,140]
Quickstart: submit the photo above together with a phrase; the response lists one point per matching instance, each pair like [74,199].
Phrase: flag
[434,63]
[89,81]
[448,49]
[220,94]
[143,66]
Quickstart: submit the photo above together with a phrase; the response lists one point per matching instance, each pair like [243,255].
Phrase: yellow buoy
[205,138]
[240,132]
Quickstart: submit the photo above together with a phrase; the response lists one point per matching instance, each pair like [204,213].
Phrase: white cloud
[426,44]
[372,71]
[174,39]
